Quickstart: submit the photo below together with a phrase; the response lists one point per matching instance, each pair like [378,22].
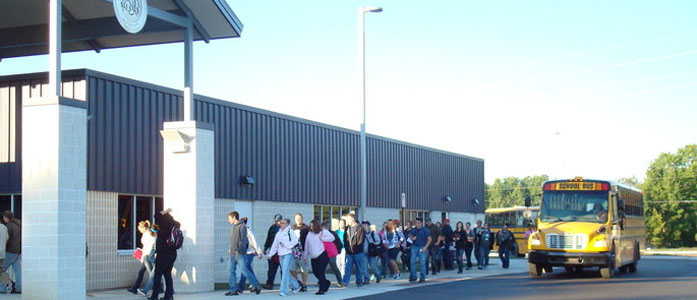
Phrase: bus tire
[607,272]
[623,269]
[549,269]
[535,270]
[633,267]
[569,269]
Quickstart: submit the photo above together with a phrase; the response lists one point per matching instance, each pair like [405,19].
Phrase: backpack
[337,242]
[297,250]
[375,249]
[176,239]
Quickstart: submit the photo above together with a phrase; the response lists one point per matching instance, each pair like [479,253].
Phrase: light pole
[361,62]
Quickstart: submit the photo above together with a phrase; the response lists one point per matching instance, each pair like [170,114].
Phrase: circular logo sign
[131,14]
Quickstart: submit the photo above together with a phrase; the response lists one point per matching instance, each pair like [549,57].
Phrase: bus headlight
[535,239]
[535,242]
[600,244]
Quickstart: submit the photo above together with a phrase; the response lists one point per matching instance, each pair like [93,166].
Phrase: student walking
[353,244]
[283,244]
[239,243]
[148,242]
[373,248]
[301,265]
[13,250]
[447,255]
[316,251]
[392,239]
[434,248]
[166,253]
[252,251]
[5,282]
[333,260]
[484,244]
[274,262]
[505,240]
[421,240]
[477,228]
[460,238]
[341,258]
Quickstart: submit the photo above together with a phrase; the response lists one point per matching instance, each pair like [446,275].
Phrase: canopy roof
[92,25]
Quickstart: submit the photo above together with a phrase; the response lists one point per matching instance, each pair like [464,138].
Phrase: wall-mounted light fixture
[447,198]
[178,142]
[247,181]
[475,202]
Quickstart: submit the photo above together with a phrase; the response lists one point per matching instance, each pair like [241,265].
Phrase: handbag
[297,249]
[138,254]
[331,249]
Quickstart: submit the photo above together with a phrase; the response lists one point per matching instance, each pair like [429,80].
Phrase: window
[410,215]
[131,210]
[332,214]
[12,203]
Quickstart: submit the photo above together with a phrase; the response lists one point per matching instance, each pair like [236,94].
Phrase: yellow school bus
[587,223]
[518,219]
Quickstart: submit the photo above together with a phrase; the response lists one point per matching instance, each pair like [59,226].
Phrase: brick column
[189,189]
[54,180]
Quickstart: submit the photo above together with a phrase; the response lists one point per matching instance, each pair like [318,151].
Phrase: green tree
[511,191]
[671,179]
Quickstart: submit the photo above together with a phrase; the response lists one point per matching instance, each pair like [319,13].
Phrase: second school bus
[587,223]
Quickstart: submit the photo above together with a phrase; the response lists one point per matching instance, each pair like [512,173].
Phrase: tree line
[670,196]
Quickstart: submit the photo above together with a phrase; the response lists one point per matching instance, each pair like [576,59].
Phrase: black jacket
[354,243]
[166,223]
[270,235]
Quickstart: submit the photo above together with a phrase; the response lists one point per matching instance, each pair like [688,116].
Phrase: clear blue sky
[565,88]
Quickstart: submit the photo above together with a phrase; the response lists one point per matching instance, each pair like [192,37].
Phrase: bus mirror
[528,201]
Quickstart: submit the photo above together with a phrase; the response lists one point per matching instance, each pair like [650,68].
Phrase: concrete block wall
[54,183]
[106,269]
[189,190]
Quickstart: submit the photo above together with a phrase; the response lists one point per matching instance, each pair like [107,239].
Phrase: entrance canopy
[92,25]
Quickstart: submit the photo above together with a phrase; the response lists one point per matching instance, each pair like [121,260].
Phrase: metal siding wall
[125,148]
[13,91]
[292,160]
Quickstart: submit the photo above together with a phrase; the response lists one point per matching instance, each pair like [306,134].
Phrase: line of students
[298,248]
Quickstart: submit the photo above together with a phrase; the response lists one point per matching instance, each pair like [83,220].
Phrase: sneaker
[141,293]
[294,291]
[228,293]
[267,286]
[129,290]
[257,291]
[339,284]
[283,294]
[412,279]
[480,267]
[319,293]
[303,288]
[422,280]
[399,276]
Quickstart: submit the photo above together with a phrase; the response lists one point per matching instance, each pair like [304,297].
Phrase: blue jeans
[239,260]
[504,254]
[15,261]
[483,256]
[247,264]
[286,279]
[422,257]
[358,260]
[372,264]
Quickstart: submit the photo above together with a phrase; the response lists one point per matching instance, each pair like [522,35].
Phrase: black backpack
[375,249]
[337,242]
[176,239]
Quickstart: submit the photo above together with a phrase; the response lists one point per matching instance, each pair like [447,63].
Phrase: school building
[109,151]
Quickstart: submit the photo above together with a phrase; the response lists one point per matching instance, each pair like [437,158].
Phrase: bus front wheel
[535,270]
[633,267]
[606,272]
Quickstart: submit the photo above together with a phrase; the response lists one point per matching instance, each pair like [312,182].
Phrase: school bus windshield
[574,206]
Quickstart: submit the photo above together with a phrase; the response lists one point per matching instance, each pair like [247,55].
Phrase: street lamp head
[371,9]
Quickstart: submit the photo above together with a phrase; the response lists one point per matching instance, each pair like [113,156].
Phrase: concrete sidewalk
[386,285]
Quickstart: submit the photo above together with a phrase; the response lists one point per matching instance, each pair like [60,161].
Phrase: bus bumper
[566,259]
